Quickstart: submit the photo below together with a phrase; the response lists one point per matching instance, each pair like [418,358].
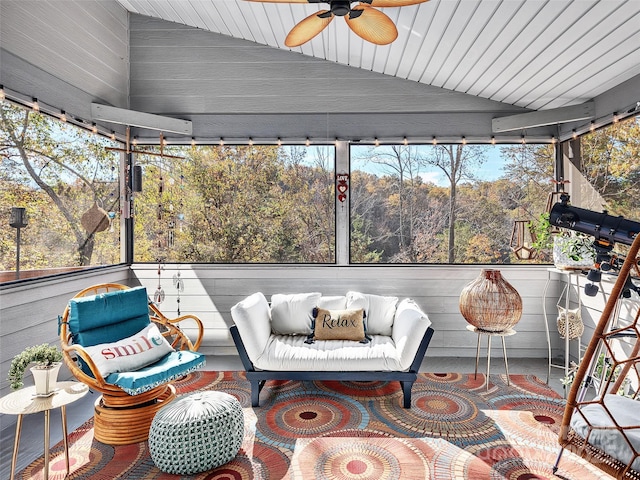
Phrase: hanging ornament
[342,186]
[179,286]
[111,215]
[95,219]
[522,240]
[158,296]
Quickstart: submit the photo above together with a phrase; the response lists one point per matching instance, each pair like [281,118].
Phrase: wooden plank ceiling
[537,54]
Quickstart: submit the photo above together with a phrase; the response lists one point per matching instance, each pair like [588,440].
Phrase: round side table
[502,334]
[24,402]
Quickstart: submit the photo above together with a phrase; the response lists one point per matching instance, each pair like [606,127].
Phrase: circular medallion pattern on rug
[370,390]
[441,412]
[301,414]
[266,463]
[359,458]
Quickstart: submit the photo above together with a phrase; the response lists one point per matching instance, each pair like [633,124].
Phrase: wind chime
[166,216]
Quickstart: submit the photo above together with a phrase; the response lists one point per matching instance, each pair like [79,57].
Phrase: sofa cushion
[335,302]
[170,367]
[131,353]
[379,311]
[339,325]
[253,319]
[292,314]
[108,317]
[291,353]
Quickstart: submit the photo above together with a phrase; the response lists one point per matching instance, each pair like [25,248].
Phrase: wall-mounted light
[376,142]
[405,141]
[193,141]
[250,142]
[493,140]
[2,94]
[307,142]
[464,140]
[63,116]
[434,140]
[35,105]
[279,142]
[221,141]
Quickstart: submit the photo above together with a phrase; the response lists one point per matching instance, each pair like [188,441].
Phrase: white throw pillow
[131,353]
[337,302]
[379,311]
[292,314]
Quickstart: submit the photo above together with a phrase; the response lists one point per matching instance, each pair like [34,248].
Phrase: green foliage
[57,172]
[43,355]
[268,204]
[235,205]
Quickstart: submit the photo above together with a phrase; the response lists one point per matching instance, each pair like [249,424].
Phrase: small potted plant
[570,249]
[45,360]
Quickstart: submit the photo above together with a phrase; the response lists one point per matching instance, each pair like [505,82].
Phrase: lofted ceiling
[535,54]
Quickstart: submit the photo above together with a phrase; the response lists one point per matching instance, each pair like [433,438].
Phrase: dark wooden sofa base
[257,378]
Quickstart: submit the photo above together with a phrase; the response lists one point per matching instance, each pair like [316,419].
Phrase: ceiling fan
[365,21]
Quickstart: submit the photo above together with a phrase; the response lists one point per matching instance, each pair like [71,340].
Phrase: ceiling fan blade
[372,25]
[392,3]
[280,1]
[308,28]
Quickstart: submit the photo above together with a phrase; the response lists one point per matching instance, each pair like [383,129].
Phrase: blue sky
[491,169]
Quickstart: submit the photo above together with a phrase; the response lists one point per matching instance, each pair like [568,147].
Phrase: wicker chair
[124,417]
[604,426]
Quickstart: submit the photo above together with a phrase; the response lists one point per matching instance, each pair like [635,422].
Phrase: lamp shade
[18,217]
[491,303]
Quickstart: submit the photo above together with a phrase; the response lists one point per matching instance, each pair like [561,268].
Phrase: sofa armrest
[409,326]
[253,320]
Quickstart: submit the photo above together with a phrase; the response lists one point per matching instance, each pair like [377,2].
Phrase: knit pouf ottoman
[196,433]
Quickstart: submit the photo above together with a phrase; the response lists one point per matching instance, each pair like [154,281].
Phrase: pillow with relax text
[339,325]
[131,353]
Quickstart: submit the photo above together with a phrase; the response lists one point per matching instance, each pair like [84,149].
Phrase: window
[609,165]
[236,204]
[68,183]
[445,203]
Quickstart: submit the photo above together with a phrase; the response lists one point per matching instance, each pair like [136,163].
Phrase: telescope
[605,228]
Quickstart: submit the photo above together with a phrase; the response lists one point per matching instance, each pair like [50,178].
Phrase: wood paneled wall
[234,88]
[67,53]
[210,292]
[29,311]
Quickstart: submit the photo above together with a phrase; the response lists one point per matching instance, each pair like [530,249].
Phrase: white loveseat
[279,340]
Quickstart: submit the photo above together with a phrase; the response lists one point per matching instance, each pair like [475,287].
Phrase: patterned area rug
[455,429]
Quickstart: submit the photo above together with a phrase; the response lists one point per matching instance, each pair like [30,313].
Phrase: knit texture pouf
[196,433]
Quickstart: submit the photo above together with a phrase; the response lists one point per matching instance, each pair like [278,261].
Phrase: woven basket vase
[490,303]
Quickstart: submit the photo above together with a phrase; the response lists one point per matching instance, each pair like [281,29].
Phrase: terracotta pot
[490,302]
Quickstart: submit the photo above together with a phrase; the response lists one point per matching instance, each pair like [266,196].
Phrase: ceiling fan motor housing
[340,7]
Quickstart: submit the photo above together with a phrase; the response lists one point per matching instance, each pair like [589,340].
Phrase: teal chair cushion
[108,317]
[169,368]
